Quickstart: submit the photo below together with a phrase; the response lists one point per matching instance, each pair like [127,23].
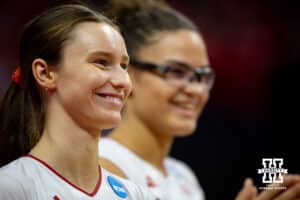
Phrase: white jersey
[179,184]
[29,178]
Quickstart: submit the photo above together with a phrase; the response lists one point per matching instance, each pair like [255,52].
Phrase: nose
[194,89]
[120,79]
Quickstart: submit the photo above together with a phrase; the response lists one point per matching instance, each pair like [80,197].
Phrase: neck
[152,146]
[69,149]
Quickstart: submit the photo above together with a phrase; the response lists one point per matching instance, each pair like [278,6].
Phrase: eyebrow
[179,63]
[183,64]
[125,58]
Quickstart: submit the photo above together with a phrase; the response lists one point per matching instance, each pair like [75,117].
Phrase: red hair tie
[16,76]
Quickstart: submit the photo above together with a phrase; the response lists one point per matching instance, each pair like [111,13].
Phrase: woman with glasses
[172,79]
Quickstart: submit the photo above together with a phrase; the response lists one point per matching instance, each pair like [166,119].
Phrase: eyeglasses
[177,72]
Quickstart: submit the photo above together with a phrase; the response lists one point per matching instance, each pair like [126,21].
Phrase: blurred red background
[254,48]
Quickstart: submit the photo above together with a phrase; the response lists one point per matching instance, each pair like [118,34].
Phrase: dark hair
[22,113]
[141,19]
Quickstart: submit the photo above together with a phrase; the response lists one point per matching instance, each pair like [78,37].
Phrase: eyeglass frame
[162,69]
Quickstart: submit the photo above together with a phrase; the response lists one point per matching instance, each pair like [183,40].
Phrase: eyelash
[105,64]
[124,66]
[102,62]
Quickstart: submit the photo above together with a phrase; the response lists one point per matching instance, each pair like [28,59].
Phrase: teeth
[186,106]
[113,99]
[189,106]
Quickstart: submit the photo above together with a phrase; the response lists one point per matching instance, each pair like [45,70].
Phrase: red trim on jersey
[96,189]
[150,182]
[56,198]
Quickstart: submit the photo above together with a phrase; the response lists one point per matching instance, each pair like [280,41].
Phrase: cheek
[156,104]
[80,84]
[151,96]
[94,76]
[160,89]
[203,100]
[158,93]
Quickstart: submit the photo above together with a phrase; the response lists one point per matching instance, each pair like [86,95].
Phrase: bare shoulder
[111,167]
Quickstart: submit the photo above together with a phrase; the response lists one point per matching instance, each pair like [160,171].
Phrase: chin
[110,121]
[184,130]
[182,126]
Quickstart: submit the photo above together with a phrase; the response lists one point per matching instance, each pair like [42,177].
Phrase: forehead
[88,37]
[183,45]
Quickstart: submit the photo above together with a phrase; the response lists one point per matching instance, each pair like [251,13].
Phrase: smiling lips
[185,109]
[113,99]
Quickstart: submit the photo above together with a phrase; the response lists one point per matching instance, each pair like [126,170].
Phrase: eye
[200,77]
[124,66]
[176,72]
[103,63]
[204,75]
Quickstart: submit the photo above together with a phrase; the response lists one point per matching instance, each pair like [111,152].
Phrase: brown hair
[139,20]
[22,112]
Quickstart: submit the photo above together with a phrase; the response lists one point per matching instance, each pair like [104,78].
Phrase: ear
[44,76]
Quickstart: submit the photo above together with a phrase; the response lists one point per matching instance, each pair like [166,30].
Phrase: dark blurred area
[253,111]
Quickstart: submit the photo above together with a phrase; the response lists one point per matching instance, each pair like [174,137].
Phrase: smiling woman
[94,60]
[72,82]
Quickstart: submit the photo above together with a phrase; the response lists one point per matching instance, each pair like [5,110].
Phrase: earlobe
[43,75]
